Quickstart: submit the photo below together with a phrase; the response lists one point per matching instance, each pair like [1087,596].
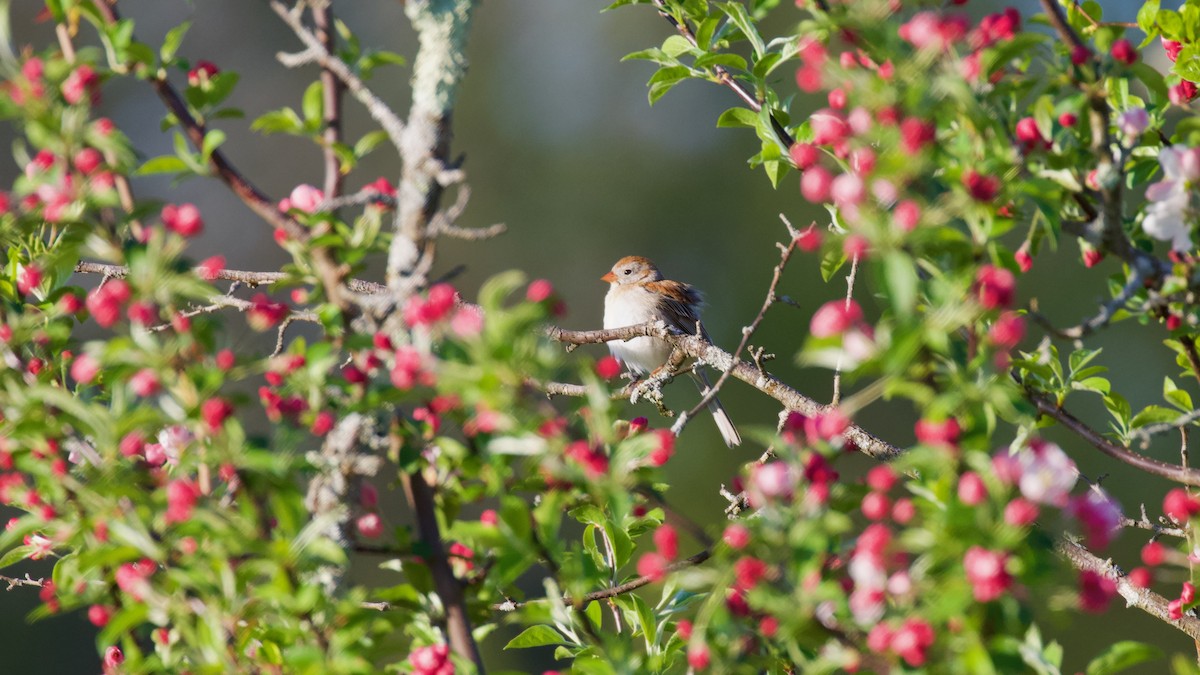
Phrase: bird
[638,294]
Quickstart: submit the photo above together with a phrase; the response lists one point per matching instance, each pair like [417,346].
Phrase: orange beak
[608,278]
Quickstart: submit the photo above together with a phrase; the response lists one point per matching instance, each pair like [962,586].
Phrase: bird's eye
[628,270]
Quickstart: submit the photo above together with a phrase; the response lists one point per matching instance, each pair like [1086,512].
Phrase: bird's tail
[729,433]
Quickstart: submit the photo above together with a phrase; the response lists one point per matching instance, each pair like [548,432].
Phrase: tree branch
[458,624]
[321,53]
[1144,599]
[438,69]
[240,276]
[331,94]
[700,349]
[1154,467]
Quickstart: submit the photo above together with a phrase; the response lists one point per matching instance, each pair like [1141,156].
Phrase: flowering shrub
[953,153]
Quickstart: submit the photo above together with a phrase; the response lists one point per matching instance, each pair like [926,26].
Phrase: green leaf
[1153,414]
[14,556]
[536,636]
[737,14]
[368,142]
[284,120]
[1170,23]
[313,105]
[1145,16]
[1122,655]
[666,78]
[212,140]
[831,262]
[676,45]
[738,117]
[1176,396]
[163,164]
[901,277]
[172,41]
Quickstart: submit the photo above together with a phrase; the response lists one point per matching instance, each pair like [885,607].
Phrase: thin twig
[1179,474]
[837,371]
[316,52]
[613,591]
[748,331]
[1108,310]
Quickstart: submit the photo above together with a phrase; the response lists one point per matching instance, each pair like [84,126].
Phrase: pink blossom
[539,290]
[653,566]
[182,495]
[1007,331]
[1132,123]
[829,127]
[467,321]
[995,287]
[1166,217]
[815,183]
[215,411]
[608,367]
[264,313]
[942,433]
[1020,512]
[410,368]
[847,190]
[736,536]
[1047,474]
[982,188]
[666,541]
[304,198]
[1098,514]
[28,278]
[834,318]
[986,572]
[369,525]
[1096,591]
[912,641]
[1124,51]
[971,490]
[211,267]
[1179,505]
[145,383]
[906,215]
[82,82]
[85,368]
[105,302]
[804,155]
[1182,92]
[431,660]
[202,73]
[773,481]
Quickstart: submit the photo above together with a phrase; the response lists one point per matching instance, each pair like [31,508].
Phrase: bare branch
[700,349]
[837,372]
[1144,599]
[239,276]
[331,95]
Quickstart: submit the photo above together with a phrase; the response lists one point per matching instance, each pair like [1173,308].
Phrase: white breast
[630,306]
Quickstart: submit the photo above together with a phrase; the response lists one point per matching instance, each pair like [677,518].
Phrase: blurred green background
[562,146]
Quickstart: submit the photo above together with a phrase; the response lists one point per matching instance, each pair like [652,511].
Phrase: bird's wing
[679,304]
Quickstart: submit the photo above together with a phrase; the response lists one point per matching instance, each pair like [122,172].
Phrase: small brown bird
[637,294]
